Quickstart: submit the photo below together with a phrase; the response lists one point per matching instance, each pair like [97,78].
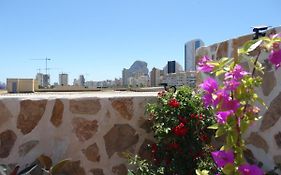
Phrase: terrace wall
[91,129]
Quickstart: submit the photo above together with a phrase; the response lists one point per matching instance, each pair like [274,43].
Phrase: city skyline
[99,39]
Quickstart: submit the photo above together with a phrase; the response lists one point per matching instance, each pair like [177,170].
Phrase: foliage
[180,123]
[42,165]
[234,100]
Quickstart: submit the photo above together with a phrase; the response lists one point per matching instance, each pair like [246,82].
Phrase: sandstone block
[272,115]
[57,113]
[7,141]
[257,140]
[120,138]
[92,153]
[85,106]
[124,106]
[30,114]
[84,129]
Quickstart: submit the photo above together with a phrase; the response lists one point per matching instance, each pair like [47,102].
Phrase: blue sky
[98,38]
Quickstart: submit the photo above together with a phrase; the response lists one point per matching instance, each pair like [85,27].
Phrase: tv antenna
[46,63]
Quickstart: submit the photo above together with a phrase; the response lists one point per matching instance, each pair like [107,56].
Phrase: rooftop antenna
[259,31]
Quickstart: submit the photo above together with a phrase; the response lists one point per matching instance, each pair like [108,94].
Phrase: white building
[138,81]
[190,52]
[43,80]
[181,78]
[63,79]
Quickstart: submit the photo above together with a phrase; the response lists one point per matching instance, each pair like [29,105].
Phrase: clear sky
[98,38]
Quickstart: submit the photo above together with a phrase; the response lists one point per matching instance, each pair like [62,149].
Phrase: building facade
[63,79]
[181,78]
[190,52]
[155,77]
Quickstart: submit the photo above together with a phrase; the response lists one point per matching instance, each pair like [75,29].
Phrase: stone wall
[91,129]
[264,137]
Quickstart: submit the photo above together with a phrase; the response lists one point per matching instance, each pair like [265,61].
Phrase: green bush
[180,122]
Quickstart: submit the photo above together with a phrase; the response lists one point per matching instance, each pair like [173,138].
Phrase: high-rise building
[63,79]
[43,80]
[174,67]
[189,54]
[81,80]
[171,67]
[46,80]
[125,76]
[155,77]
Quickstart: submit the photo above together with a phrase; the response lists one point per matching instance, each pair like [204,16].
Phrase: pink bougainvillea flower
[174,103]
[237,73]
[231,84]
[222,158]
[223,115]
[275,57]
[229,104]
[210,85]
[247,169]
[204,66]
[220,96]
[180,130]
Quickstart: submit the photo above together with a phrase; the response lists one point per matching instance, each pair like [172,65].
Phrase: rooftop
[99,94]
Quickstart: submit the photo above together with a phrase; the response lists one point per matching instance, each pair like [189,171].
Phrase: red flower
[180,130]
[161,94]
[175,146]
[204,138]
[154,148]
[182,119]
[174,103]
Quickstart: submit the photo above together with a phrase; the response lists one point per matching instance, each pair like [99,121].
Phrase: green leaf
[220,131]
[254,45]
[203,172]
[220,72]
[214,126]
[130,172]
[228,169]
[56,168]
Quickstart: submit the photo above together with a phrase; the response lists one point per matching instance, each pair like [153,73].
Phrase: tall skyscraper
[155,77]
[81,80]
[189,54]
[43,80]
[125,76]
[63,79]
[171,67]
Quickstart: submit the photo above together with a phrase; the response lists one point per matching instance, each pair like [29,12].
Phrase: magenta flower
[275,57]
[207,99]
[204,66]
[222,158]
[210,85]
[231,84]
[220,96]
[247,169]
[230,104]
[223,115]
[237,73]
